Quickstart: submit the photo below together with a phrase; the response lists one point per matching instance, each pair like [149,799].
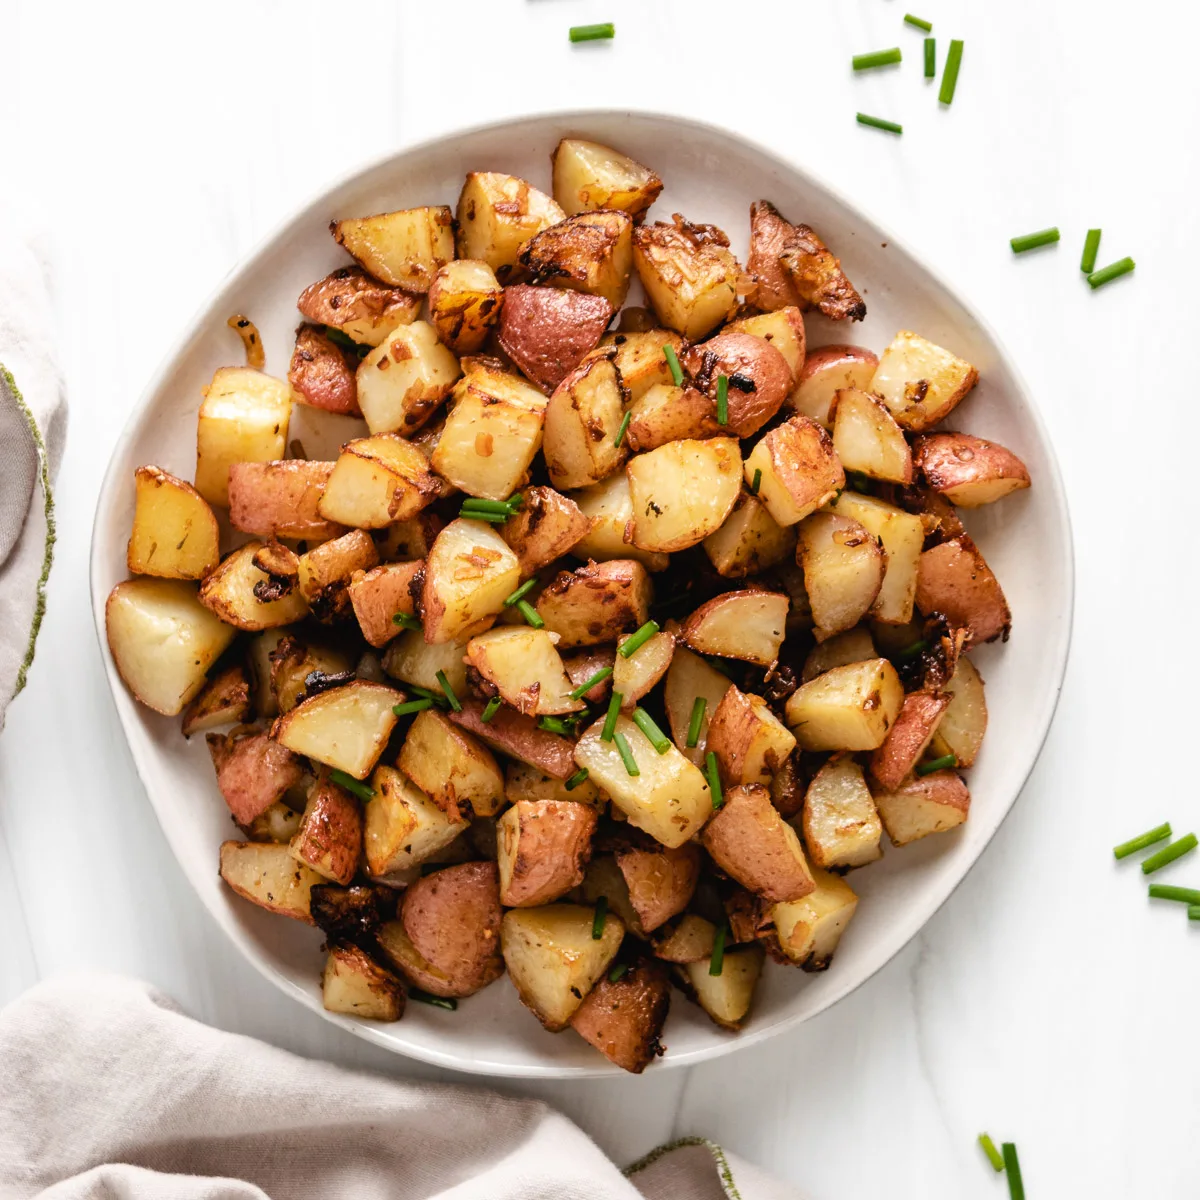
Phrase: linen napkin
[108,1090]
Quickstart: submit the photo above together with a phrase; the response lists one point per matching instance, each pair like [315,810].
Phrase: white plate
[710,176]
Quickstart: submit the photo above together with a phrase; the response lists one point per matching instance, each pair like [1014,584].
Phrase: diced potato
[590,252]
[797,470]
[841,824]
[843,570]
[635,676]
[669,797]
[523,782]
[464,304]
[867,438]
[726,997]
[497,215]
[322,373]
[330,837]
[451,767]
[688,941]
[382,593]
[624,1017]
[750,541]
[404,827]
[346,727]
[969,471]
[468,574]
[855,645]
[292,661]
[953,579]
[224,700]
[174,534]
[666,413]
[553,959]
[757,376]
[659,882]
[524,666]
[826,371]
[751,843]
[411,659]
[923,805]
[610,509]
[280,499]
[745,625]
[961,729]
[232,591]
[902,536]
[750,742]
[589,176]
[325,572]
[258,660]
[519,737]
[921,383]
[689,274]
[253,772]
[404,379]
[847,708]
[376,481]
[640,359]
[549,331]
[357,986]
[243,418]
[790,577]
[545,527]
[404,248]
[407,541]
[787,787]
[907,739]
[278,823]
[583,419]
[267,875]
[361,307]
[784,329]
[810,929]
[543,846]
[688,679]
[818,277]
[596,603]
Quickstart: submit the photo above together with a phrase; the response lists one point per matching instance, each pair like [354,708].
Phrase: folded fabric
[107,1089]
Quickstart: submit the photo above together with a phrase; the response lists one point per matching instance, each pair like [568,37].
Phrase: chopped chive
[876,58]
[599,677]
[1112,271]
[556,725]
[355,786]
[950,72]
[645,722]
[615,974]
[425,694]
[471,514]
[1157,834]
[446,1002]
[756,481]
[635,641]
[339,338]
[693,734]
[1164,891]
[911,651]
[716,963]
[610,719]
[722,399]
[491,708]
[936,764]
[989,1148]
[444,683]
[909,19]
[879,123]
[1031,241]
[1012,1168]
[530,614]
[673,363]
[599,918]
[624,426]
[1194,912]
[412,706]
[1091,247]
[579,777]
[520,593]
[1169,854]
[930,58]
[515,501]
[631,767]
[406,621]
[472,504]
[714,779]
[593,33]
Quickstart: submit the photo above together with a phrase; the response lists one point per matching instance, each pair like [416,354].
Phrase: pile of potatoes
[413,663]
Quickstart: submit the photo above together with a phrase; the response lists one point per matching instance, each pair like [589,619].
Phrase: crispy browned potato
[907,739]
[464,304]
[451,767]
[666,413]
[403,381]
[243,595]
[253,772]
[809,930]
[596,603]
[609,508]
[846,708]
[544,528]
[403,248]
[279,499]
[512,734]
[497,215]
[543,847]
[525,668]
[356,986]
[843,570]
[797,470]
[758,378]
[589,176]
[818,277]
[752,843]
[636,676]
[725,997]
[583,419]
[841,825]
[639,356]
[330,837]
[826,371]
[689,939]
[267,875]
[326,570]
[961,729]
[291,663]
[407,541]
[969,471]
[953,579]
[174,533]
[787,787]
[346,727]
[784,329]
[351,913]
[224,700]
[921,383]
[469,572]
[547,331]
[623,1018]
[361,307]
[660,881]
[769,237]
[404,827]
[589,252]
[747,625]
[383,593]
[690,275]
[750,541]
[750,742]
[376,481]
[322,373]
[690,678]
[523,782]
[867,438]
[923,805]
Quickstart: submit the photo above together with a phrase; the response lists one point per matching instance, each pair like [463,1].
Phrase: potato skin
[253,772]
[349,295]
[769,234]
[511,733]
[224,699]
[968,471]
[546,526]
[279,499]
[624,1018]
[911,732]
[588,252]
[330,837]
[743,359]
[819,279]
[322,374]
[596,603]
[548,843]
[661,881]
[547,331]
[954,580]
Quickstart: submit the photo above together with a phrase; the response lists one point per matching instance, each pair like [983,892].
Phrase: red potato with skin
[906,740]
[797,470]
[953,579]
[279,499]
[330,837]
[519,737]
[923,805]
[660,881]
[758,376]
[826,371]
[322,373]
[784,329]
[543,847]
[253,772]
[624,1017]
[547,331]
[380,594]
[968,471]
[363,308]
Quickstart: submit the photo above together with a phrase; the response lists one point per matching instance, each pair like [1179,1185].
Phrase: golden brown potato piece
[469,572]
[356,986]
[751,842]
[921,383]
[750,742]
[639,356]
[404,827]
[770,234]
[690,678]
[907,739]
[969,471]
[623,1017]
[451,767]
[267,875]
[953,579]
[519,737]
[543,846]
[725,997]
[787,787]
[596,603]
[524,666]
[497,215]
[361,307]
[636,676]
[784,329]
[253,772]
[826,371]
[819,279]
[322,373]
[901,536]
[689,939]
[407,541]
[690,275]
[841,825]
[847,708]
[174,533]
[797,470]
[280,499]
[545,527]
[383,593]
[464,304]
[843,570]
[224,700]
[589,176]
[411,659]
[523,782]
[961,729]
[234,589]
[292,661]
[278,823]
[867,438]
[758,378]
[376,481]
[855,645]
[403,381]
[583,420]
[923,805]
[666,413]
[547,331]
[402,955]
[591,252]
[330,837]
[326,570]
[610,509]
[750,541]
[809,930]
[403,248]
[660,881]
[346,727]
[747,625]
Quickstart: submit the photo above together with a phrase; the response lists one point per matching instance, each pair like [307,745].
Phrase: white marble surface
[1047,1002]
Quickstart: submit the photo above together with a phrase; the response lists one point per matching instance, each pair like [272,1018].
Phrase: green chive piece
[673,363]
[599,677]
[425,694]
[645,722]
[876,58]
[599,918]
[693,735]
[579,777]
[446,1002]
[909,19]
[716,964]
[471,514]
[355,787]
[339,338]
[1111,272]
[617,971]
[610,719]
[1157,834]
[936,764]
[756,481]
[624,426]
[491,708]
[444,683]
[879,123]
[1169,854]
[1091,247]
[930,58]
[472,504]
[1031,241]
[406,621]
[1194,912]
[631,767]
[520,593]
[950,72]
[412,706]
[1012,1168]
[722,399]
[593,33]
[911,651]
[555,725]
[530,614]
[989,1148]
[635,641]
[714,779]
[1164,891]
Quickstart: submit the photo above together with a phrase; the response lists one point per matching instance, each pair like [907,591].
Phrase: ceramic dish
[710,175]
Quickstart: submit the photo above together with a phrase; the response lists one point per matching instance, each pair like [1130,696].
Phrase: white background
[1048,1002]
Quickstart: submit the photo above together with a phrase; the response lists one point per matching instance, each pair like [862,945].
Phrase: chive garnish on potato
[520,594]
[599,677]
[444,683]
[412,706]
[673,363]
[530,614]
[599,918]
[624,426]
[491,709]
[722,399]
[756,482]
[693,734]
[406,621]
[636,641]
[645,722]
[446,1002]
[610,718]
[631,767]
[579,777]
[714,779]
[716,963]
[355,787]
[936,764]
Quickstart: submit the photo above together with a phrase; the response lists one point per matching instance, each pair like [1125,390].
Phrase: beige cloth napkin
[108,1090]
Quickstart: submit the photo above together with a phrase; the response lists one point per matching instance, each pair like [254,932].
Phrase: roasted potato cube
[668,798]
[596,603]
[404,827]
[841,824]
[356,986]
[963,724]
[591,252]
[519,737]
[361,307]
[843,570]
[330,837]
[689,273]
[867,438]
[468,574]
[548,331]
[583,419]
[243,418]
[855,645]
[819,279]
[688,940]
[258,662]
[751,842]
[660,881]
[292,661]
[326,570]
[826,371]
[404,248]
[464,304]
[253,772]
[623,1018]
[923,805]
[726,997]
[589,176]
[346,727]
[847,708]
[907,739]
[224,700]
[787,787]
[497,215]
[543,847]
[665,413]
[267,875]
[381,594]
[411,659]
[901,535]
[174,533]
[750,742]
[545,527]
[451,767]
[689,679]
[552,958]
[968,471]
[404,379]
[800,471]
[407,541]
[784,329]
[745,625]
[640,358]
[322,373]
[524,666]
[682,492]
[280,499]
[232,591]
[750,541]
[757,377]
[953,579]
[278,823]
[770,234]
[809,929]
[376,481]
[604,879]
[921,383]
[523,782]
[635,676]
[609,508]
[398,949]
